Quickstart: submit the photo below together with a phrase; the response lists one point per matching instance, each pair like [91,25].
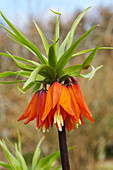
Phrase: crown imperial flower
[61,104]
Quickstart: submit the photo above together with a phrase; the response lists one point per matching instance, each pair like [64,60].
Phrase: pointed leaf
[91,74]
[33,75]
[89,59]
[11,73]
[25,41]
[89,50]
[19,142]
[10,32]
[37,154]
[11,159]
[73,28]
[12,82]
[70,70]
[21,65]
[55,12]
[52,57]
[48,161]
[62,46]
[46,46]
[68,54]
[5,165]
[56,36]
[21,59]
[21,91]
[37,86]
[21,159]
[7,73]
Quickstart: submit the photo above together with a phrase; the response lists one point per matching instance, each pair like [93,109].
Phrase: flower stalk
[63,149]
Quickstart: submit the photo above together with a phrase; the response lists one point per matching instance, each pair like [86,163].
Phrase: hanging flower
[61,104]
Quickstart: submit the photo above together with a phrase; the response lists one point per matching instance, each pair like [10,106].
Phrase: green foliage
[16,160]
[57,57]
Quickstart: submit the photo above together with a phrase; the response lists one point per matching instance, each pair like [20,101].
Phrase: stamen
[80,122]
[77,125]
[58,118]
[43,128]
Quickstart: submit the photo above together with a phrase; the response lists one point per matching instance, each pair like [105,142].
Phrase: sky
[18,11]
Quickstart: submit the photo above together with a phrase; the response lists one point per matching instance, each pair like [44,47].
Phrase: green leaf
[70,70]
[7,73]
[91,74]
[36,154]
[52,57]
[55,12]
[48,161]
[56,36]
[68,54]
[21,59]
[21,91]
[10,32]
[25,41]
[11,159]
[74,26]
[5,165]
[89,59]
[28,87]
[12,82]
[37,86]
[11,73]
[33,76]
[62,46]
[21,65]
[21,159]
[89,50]
[19,142]
[46,46]
[75,74]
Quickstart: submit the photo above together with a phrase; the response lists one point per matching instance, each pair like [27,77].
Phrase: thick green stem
[63,149]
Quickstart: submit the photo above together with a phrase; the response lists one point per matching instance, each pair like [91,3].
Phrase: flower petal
[68,123]
[65,100]
[41,106]
[28,110]
[80,99]
[55,93]
[48,104]
[75,105]
[33,112]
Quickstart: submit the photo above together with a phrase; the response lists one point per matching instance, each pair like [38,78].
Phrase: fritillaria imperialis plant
[59,100]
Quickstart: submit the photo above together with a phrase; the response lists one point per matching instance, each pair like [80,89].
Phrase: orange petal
[65,100]
[41,106]
[63,113]
[87,116]
[28,110]
[68,124]
[48,104]
[75,106]
[81,119]
[55,93]
[33,112]
[79,98]
[46,123]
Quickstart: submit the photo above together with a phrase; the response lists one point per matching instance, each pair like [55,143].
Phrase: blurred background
[94,142]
